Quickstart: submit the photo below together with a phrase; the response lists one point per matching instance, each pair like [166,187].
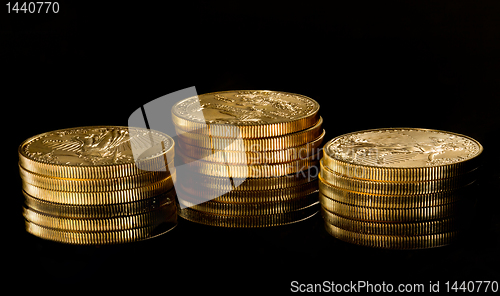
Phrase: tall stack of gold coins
[397,188]
[82,185]
[251,158]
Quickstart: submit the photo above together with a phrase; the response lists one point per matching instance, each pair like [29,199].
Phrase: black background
[429,64]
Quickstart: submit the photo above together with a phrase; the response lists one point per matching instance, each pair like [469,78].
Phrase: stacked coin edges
[271,164]
[101,204]
[396,208]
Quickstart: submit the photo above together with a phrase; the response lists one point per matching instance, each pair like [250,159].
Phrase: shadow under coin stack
[398,188]
[251,158]
[82,185]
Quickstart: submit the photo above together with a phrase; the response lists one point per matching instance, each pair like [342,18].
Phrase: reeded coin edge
[256,144]
[400,174]
[389,201]
[253,157]
[394,188]
[248,221]
[103,197]
[253,208]
[93,185]
[154,217]
[250,171]
[250,184]
[99,238]
[392,242]
[388,228]
[250,196]
[387,214]
[99,211]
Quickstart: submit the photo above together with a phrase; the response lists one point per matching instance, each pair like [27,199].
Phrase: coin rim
[99,211]
[394,188]
[264,143]
[371,200]
[96,238]
[395,215]
[388,228]
[255,196]
[95,184]
[90,171]
[248,221]
[251,184]
[251,131]
[247,157]
[101,198]
[250,171]
[420,171]
[150,218]
[392,241]
[254,208]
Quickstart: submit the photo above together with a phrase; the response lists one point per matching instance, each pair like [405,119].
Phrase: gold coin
[224,184]
[401,154]
[101,198]
[388,228]
[250,157]
[394,188]
[249,208]
[388,215]
[246,113]
[391,201]
[101,238]
[392,241]
[251,196]
[248,221]
[100,211]
[96,152]
[249,171]
[93,185]
[154,217]
[254,144]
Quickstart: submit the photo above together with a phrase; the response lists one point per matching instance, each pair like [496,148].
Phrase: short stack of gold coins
[398,188]
[252,158]
[83,186]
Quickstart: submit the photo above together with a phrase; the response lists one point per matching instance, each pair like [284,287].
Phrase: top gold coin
[401,154]
[246,113]
[96,152]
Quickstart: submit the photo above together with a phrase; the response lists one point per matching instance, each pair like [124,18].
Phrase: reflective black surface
[369,66]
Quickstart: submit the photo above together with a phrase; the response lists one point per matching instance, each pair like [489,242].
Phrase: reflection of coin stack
[251,158]
[82,185]
[397,188]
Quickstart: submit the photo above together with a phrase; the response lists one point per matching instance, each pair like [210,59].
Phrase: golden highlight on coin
[251,157]
[98,184]
[398,188]
[401,154]
[246,113]
[252,221]
[406,242]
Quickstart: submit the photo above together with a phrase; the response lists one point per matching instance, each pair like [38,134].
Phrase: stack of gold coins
[252,158]
[86,185]
[397,188]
